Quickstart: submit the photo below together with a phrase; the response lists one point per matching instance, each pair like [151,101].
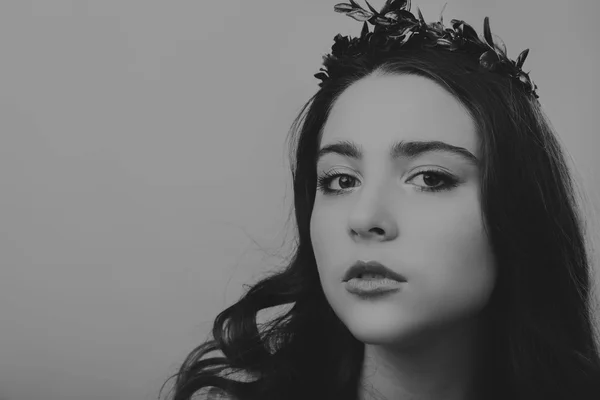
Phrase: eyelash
[324,180]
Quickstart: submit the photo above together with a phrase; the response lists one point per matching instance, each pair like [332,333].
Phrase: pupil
[342,179]
[430,176]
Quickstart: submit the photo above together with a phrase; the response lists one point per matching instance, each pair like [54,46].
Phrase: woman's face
[425,226]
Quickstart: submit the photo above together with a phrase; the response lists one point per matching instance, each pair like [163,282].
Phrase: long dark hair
[541,325]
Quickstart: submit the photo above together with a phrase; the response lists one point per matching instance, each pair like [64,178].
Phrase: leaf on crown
[489,60]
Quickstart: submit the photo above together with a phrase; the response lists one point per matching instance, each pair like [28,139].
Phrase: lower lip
[372,286]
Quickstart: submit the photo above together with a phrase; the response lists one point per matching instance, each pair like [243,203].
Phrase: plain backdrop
[144,174]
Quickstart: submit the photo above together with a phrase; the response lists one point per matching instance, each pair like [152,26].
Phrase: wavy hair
[543,341]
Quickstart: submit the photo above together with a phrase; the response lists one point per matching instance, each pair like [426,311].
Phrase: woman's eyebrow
[404,149]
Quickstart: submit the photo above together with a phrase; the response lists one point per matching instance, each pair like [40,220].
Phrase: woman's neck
[447,365]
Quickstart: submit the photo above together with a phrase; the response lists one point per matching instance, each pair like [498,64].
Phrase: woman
[425,150]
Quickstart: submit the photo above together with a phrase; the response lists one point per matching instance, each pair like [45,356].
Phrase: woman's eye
[431,180]
[324,182]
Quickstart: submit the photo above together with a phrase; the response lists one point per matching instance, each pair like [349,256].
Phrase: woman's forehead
[380,109]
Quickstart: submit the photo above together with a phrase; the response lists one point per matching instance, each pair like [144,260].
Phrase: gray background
[144,173]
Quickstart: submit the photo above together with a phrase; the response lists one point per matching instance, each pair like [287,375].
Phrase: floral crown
[395,26]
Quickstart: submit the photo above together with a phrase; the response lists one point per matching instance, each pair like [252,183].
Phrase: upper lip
[373,267]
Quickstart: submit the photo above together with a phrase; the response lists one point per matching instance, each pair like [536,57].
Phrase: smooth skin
[423,342]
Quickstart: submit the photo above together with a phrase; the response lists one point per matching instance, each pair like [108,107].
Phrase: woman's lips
[371,267]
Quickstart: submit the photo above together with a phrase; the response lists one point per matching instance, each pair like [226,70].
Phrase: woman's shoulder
[212,393]
[215,393]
